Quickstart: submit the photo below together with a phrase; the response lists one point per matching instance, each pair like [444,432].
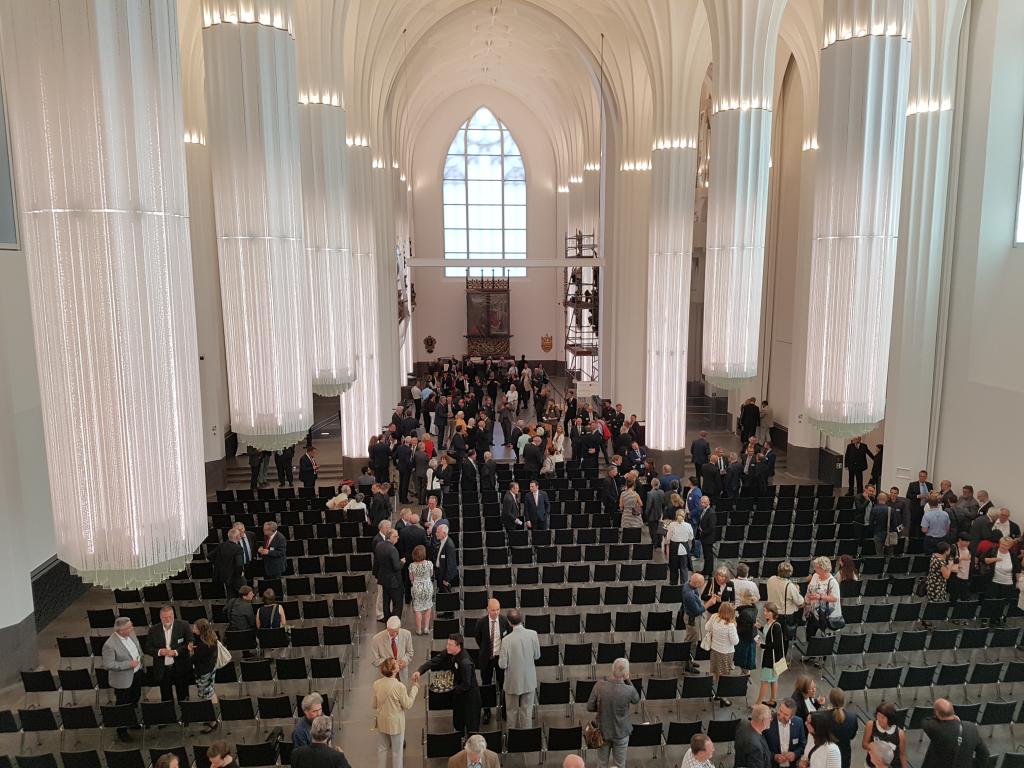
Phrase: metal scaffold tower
[582,309]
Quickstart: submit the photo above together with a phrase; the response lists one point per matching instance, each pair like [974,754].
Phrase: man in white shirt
[122,658]
[167,643]
[699,755]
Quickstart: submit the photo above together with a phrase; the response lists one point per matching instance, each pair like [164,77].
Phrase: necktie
[494,637]
[394,647]
[246,555]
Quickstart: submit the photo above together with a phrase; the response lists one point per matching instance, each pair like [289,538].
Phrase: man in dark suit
[247,541]
[917,495]
[488,473]
[403,461]
[538,508]
[229,564]
[984,502]
[700,451]
[636,457]
[786,736]
[388,572]
[380,459]
[274,551]
[421,463]
[511,515]
[856,462]
[446,561]
[167,643]
[517,432]
[283,458]
[411,536]
[952,742]
[410,424]
[308,468]
[609,495]
[319,753]
[707,532]
[469,472]
[750,419]
[533,458]
[576,434]
[571,407]
[751,748]
[733,477]
[490,631]
[380,506]
[710,482]
[593,443]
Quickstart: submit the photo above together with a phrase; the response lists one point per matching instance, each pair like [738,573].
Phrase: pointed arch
[484,196]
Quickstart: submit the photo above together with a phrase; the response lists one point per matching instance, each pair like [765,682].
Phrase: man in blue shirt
[693,496]
[691,616]
[934,525]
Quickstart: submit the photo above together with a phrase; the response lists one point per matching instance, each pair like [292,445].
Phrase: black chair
[566,739]
[998,713]
[681,733]
[732,686]
[85,759]
[37,761]
[722,731]
[262,753]
[661,689]
[697,687]
[443,745]
[124,758]
[554,694]
[37,720]
[77,719]
[523,740]
[197,711]
[157,713]
[646,735]
[179,752]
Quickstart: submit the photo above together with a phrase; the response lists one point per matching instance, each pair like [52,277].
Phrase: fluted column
[386,254]
[674,173]
[361,406]
[743,39]
[252,108]
[919,252]
[94,93]
[328,248]
[865,66]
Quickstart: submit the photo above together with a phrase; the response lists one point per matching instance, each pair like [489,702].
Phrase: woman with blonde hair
[824,609]
[390,700]
[421,576]
[844,725]
[774,651]
[678,540]
[720,640]
[630,504]
[558,443]
[786,596]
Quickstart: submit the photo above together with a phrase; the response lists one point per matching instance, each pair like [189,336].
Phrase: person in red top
[428,445]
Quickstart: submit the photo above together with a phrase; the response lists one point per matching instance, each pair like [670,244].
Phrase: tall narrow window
[484,197]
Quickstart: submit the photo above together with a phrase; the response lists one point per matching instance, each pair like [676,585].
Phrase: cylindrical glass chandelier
[94,91]
[865,68]
[325,219]
[252,108]
[674,171]
[743,38]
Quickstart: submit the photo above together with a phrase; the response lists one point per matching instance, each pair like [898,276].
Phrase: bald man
[953,743]
[490,630]
[573,761]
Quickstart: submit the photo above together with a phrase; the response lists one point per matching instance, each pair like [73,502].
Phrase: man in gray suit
[520,650]
[393,643]
[611,699]
[122,658]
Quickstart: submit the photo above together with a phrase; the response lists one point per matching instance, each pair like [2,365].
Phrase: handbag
[592,735]
[780,664]
[705,641]
[891,537]
[223,656]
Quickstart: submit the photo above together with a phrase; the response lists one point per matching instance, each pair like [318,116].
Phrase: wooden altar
[488,318]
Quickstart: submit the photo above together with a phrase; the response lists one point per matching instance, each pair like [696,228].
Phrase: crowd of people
[442,440]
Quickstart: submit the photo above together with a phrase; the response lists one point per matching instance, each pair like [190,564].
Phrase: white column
[386,253]
[743,40]
[328,246]
[919,252]
[252,107]
[865,66]
[361,414]
[94,92]
[674,174]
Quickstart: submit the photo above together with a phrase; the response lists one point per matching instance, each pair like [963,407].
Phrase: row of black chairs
[248,756]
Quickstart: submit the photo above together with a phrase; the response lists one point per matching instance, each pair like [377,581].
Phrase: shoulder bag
[592,735]
[833,621]
[705,641]
[891,537]
[780,664]
[223,656]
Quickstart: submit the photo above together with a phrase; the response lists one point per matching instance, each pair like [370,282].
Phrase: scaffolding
[582,309]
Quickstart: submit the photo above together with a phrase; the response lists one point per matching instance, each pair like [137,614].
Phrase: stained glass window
[484,194]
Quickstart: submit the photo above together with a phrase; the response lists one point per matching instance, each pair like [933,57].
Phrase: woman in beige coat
[390,700]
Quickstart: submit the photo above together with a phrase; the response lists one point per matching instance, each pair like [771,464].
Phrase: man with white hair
[475,755]
[752,750]
[122,658]
[446,561]
[319,753]
[611,699]
[312,708]
[393,643]
[573,761]
[383,530]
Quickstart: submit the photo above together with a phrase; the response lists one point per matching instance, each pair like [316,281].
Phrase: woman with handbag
[786,596]
[720,639]
[940,568]
[824,608]
[203,650]
[773,654]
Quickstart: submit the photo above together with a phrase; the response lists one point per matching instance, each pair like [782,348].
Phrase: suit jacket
[797,738]
[250,538]
[942,746]
[984,508]
[461,760]
[318,756]
[390,700]
[700,449]
[380,455]
[637,458]
[488,475]
[380,649]
[228,565]
[750,420]
[734,478]
[519,653]
[421,462]
[710,480]
[483,636]
[409,538]
[117,661]
[539,511]
[276,560]
[533,457]
[708,526]
[306,471]
[181,636]
[403,458]
[447,569]
[856,457]
[751,748]
[389,567]
[914,490]
[510,511]
[616,697]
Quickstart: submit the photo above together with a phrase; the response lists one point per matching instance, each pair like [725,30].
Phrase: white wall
[978,423]
[536,299]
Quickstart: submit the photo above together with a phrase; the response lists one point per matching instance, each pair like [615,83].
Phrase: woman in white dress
[558,443]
